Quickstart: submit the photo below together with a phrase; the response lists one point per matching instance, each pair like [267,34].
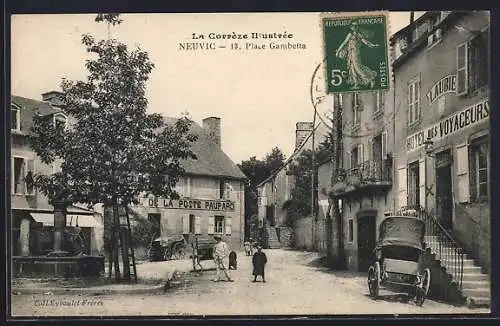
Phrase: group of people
[221,253]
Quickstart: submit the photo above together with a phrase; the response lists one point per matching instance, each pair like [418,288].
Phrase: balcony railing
[370,172]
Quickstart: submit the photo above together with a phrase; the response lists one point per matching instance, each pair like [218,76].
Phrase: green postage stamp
[356,52]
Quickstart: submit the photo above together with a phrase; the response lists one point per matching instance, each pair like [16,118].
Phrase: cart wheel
[179,251]
[423,288]
[166,254]
[374,280]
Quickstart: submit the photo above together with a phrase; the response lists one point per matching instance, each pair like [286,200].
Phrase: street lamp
[429,147]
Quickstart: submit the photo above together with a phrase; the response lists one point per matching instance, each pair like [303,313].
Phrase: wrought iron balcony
[370,172]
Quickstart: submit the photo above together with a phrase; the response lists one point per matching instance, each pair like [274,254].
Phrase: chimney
[212,126]
[55,98]
[302,130]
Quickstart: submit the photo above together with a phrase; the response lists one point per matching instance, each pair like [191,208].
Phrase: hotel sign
[192,204]
[468,117]
[445,85]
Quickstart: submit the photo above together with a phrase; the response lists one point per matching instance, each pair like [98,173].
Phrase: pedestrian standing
[259,262]
[221,253]
[248,248]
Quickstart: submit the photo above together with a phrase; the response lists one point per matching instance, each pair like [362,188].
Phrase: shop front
[186,217]
[447,171]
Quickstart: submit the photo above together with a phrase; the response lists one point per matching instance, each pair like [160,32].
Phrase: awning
[84,221]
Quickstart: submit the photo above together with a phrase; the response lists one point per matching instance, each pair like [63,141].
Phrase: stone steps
[476,286]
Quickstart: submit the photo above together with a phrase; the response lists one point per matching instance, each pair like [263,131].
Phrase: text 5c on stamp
[356,52]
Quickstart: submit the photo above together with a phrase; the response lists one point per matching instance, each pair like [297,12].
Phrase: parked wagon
[168,248]
[399,253]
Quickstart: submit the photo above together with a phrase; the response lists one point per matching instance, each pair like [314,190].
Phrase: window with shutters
[479,172]
[16,118]
[228,225]
[477,62]
[379,102]
[219,224]
[414,101]
[462,69]
[192,223]
[413,184]
[402,175]
[354,157]
[23,176]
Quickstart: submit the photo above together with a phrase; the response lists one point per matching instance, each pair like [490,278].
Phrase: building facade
[365,188]
[32,220]
[441,150]
[212,199]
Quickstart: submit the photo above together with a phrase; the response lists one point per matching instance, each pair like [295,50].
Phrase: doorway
[366,241]
[444,199]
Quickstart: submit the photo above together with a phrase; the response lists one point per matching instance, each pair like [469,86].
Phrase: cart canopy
[404,231]
[167,240]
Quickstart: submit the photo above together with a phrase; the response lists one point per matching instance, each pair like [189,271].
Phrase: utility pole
[334,219]
[313,185]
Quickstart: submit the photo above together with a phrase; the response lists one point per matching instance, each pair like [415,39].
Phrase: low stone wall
[285,236]
[310,234]
[43,266]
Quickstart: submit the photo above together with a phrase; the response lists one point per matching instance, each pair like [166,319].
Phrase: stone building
[211,193]
[365,190]
[32,221]
[442,149]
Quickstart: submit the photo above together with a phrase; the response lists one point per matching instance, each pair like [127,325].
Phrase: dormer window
[16,118]
[60,120]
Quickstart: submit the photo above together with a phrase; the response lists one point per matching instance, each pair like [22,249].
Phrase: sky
[258,94]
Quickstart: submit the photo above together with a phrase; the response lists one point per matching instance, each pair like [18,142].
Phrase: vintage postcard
[248,164]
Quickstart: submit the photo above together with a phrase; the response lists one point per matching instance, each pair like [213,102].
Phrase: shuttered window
[402,184]
[185,224]
[462,69]
[197,225]
[479,170]
[211,225]
[414,101]
[462,165]
[228,225]
[422,184]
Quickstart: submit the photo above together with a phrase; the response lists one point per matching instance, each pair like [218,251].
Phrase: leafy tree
[299,204]
[274,160]
[114,150]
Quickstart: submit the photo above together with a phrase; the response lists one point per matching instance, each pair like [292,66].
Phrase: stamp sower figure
[259,261]
[220,255]
[350,49]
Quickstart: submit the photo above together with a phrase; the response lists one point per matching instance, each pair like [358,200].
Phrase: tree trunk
[116,239]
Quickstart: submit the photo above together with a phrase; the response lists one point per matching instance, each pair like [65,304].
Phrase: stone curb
[95,291]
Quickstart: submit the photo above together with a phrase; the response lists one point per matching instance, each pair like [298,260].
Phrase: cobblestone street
[295,285]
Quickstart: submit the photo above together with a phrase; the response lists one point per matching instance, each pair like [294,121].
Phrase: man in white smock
[221,253]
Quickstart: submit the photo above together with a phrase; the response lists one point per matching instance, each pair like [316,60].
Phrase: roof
[211,160]
[421,42]
[29,108]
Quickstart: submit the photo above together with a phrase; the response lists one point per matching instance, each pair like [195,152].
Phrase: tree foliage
[113,149]
[257,171]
